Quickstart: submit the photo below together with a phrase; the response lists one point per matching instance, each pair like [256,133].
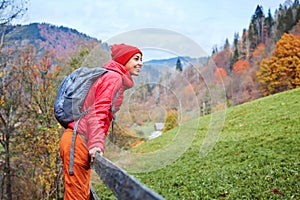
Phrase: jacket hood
[122,70]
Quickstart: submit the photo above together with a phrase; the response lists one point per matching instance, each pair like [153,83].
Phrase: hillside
[64,42]
[241,60]
[61,41]
[256,156]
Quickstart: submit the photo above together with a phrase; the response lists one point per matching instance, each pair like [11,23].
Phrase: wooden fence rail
[123,185]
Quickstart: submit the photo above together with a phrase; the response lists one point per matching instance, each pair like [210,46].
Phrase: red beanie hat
[122,53]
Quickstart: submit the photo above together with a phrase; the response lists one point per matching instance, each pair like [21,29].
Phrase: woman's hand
[93,151]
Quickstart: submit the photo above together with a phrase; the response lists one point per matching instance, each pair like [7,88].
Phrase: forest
[263,60]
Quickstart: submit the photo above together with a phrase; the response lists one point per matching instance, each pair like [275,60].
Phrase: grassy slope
[256,157]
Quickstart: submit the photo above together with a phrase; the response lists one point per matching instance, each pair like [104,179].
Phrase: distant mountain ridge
[66,42]
[61,41]
[171,62]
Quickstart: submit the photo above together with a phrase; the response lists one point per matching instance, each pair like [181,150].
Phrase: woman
[92,129]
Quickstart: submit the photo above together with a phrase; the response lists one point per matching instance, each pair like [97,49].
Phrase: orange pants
[77,186]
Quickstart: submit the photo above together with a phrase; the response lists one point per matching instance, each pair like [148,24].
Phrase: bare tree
[9,11]
[10,89]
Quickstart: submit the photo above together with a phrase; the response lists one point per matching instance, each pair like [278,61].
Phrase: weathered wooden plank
[123,185]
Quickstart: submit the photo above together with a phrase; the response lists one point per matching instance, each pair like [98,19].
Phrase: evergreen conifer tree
[256,28]
[178,65]
[235,55]
[269,23]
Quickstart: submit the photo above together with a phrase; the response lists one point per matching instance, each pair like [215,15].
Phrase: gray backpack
[72,92]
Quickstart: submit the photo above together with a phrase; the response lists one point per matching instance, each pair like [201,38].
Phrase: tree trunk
[2,36]
[7,168]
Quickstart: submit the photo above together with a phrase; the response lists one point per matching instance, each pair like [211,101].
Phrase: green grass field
[257,156]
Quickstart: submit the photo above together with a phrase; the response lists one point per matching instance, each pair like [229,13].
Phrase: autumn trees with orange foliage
[9,96]
[240,67]
[31,131]
[282,70]
[249,58]
[220,75]
[39,134]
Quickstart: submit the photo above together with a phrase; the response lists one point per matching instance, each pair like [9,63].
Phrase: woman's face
[135,64]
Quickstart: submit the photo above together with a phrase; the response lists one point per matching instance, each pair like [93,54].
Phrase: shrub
[171,120]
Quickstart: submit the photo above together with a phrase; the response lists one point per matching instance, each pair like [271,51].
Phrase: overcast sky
[206,22]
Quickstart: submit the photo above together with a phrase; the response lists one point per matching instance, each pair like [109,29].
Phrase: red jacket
[96,123]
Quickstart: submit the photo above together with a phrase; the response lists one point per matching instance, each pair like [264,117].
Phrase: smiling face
[134,65]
